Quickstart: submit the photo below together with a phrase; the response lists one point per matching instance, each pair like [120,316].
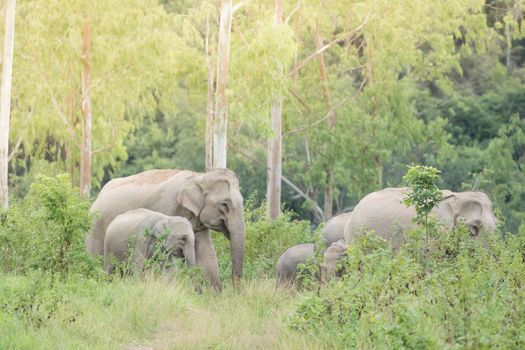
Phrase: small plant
[423,195]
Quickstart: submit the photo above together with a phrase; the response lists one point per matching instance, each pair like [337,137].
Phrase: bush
[266,240]
[46,230]
[472,297]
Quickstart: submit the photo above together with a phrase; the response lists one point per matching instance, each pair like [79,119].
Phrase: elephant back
[383,212]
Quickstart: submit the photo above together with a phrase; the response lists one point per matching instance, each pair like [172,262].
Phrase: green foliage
[46,230]
[504,175]
[134,50]
[424,194]
[473,297]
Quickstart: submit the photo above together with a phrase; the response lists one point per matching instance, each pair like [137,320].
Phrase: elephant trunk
[189,254]
[237,234]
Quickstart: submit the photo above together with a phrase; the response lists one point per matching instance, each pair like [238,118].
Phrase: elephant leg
[207,258]
[95,238]
[137,262]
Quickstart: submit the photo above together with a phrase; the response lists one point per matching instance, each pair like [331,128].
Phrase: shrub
[46,230]
[472,296]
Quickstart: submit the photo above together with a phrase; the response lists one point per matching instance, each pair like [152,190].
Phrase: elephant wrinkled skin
[137,232]
[288,262]
[209,200]
[334,228]
[384,212]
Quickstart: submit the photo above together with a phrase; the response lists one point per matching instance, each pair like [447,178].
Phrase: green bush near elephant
[472,297]
[46,230]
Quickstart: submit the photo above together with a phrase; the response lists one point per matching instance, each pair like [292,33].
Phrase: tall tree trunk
[331,120]
[69,161]
[210,60]
[274,166]
[508,46]
[220,124]
[5,99]
[85,151]
[274,158]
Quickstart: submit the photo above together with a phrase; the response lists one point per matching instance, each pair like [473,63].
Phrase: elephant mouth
[221,227]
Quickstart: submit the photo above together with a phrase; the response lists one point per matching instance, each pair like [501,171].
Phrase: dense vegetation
[393,83]
[465,293]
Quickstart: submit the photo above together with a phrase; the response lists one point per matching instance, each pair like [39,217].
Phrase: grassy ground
[145,314]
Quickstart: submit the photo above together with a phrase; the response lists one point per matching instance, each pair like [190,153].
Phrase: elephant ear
[159,228]
[448,209]
[191,194]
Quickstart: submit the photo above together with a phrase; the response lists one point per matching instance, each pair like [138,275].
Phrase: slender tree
[86,148]
[274,158]
[220,123]
[332,116]
[5,99]
[210,107]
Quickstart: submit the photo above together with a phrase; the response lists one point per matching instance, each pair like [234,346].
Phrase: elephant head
[473,208]
[177,238]
[330,257]
[215,199]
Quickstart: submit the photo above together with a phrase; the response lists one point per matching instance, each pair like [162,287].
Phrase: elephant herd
[175,209]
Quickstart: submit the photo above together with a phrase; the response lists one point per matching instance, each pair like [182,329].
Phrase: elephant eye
[224,206]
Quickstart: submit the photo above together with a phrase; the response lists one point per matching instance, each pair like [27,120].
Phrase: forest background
[365,88]
[344,93]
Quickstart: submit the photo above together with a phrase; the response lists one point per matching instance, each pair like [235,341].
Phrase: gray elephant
[209,200]
[330,257]
[334,228]
[384,212]
[286,267]
[135,234]
[289,261]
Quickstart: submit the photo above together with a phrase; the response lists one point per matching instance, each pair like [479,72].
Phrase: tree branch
[239,5]
[293,12]
[318,121]
[15,149]
[103,149]
[300,100]
[315,208]
[55,103]
[325,47]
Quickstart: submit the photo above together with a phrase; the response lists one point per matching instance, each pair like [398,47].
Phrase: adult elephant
[209,200]
[384,212]
[334,229]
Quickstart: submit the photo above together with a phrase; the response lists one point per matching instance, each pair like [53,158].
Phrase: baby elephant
[288,262]
[137,231]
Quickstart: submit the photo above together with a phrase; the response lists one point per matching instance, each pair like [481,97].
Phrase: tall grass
[151,312]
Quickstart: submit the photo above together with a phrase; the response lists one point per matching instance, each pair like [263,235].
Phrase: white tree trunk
[85,151]
[274,169]
[5,99]
[220,125]
[210,60]
[274,157]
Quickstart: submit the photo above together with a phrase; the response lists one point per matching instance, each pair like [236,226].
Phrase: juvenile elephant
[209,200]
[139,231]
[334,229]
[330,257]
[384,212]
[288,262]
[286,267]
